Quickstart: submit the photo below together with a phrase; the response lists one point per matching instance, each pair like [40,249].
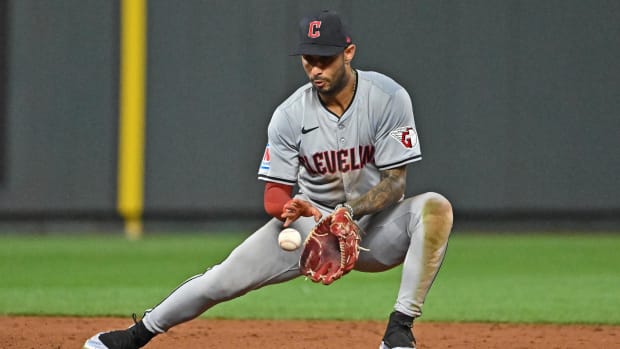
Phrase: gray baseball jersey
[334,159]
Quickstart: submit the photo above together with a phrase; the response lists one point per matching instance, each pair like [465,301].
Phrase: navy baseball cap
[322,34]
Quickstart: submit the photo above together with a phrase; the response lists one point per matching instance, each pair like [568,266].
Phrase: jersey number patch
[406,136]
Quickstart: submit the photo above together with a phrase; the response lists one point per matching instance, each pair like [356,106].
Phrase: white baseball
[289,239]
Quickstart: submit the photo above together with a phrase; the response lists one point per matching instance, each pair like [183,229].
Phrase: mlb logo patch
[264,165]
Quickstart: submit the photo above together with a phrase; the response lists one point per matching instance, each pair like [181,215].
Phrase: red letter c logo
[313,29]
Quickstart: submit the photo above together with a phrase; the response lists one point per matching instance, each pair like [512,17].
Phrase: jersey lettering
[343,160]
[343,165]
[313,29]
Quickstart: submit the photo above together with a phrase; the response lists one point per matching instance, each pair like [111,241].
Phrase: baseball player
[344,138]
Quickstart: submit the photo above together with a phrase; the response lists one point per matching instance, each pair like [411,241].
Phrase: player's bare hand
[296,208]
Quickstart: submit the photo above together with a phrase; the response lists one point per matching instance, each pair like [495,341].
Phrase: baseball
[289,239]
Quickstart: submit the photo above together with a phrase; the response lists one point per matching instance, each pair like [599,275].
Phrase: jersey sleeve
[397,141]
[280,163]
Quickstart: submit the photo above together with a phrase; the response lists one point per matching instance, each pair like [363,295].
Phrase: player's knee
[438,209]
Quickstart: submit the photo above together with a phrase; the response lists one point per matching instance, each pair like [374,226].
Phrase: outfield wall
[517,103]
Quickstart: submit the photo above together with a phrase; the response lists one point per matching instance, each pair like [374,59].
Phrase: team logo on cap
[313,29]
[406,136]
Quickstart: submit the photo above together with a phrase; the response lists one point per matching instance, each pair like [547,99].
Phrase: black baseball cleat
[398,334]
[134,337]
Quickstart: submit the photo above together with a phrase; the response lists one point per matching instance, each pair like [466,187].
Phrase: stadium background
[516,104]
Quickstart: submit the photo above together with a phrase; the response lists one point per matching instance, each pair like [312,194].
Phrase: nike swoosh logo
[304,130]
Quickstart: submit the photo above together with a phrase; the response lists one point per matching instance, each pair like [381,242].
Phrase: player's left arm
[387,192]
[396,143]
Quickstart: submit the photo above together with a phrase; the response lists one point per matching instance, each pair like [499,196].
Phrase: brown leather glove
[331,248]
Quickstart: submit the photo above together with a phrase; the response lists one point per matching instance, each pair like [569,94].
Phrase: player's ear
[349,53]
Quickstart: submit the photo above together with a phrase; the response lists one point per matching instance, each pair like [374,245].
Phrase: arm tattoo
[390,189]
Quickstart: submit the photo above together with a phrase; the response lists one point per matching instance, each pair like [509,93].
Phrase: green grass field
[570,278]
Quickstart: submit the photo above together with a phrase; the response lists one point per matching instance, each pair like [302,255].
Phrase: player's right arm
[276,195]
[279,170]
[279,204]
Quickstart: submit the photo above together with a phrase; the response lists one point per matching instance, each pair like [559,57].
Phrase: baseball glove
[331,248]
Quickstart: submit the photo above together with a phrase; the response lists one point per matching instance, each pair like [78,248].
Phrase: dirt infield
[66,332]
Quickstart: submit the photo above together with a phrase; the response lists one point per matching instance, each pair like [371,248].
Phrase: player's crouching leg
[429,246]
[431,228]
[437,217]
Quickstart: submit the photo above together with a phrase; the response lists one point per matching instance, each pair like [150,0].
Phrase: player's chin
[325,91]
